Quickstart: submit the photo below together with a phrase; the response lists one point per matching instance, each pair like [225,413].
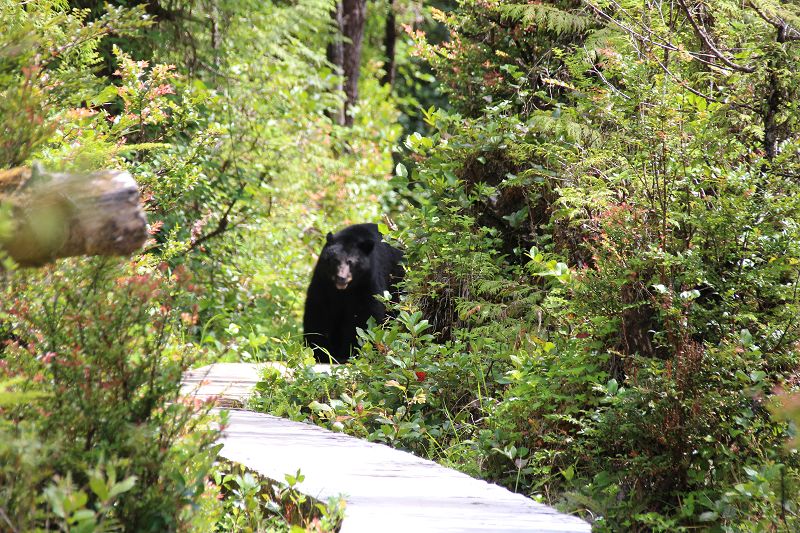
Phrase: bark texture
[389,44]
[58,215]
[349,16]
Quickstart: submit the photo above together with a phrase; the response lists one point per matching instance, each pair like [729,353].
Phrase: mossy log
[56,214]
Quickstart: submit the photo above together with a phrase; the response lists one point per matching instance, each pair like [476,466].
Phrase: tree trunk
[349,16]
[389,42]
[57,215]
[774,100]
[336,57]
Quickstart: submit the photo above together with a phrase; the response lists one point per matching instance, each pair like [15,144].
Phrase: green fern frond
[548,124]
[545,16]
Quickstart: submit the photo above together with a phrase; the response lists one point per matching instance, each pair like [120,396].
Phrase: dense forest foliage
[599,204]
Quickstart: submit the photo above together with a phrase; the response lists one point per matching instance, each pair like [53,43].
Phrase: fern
[562,126]
[545,16]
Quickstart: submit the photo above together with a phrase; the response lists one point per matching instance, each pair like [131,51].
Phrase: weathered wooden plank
[230,384]
[385,489]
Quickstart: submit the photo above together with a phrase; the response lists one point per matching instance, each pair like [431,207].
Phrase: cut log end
[59,215]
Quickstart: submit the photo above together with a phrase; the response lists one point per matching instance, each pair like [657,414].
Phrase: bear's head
[345,261]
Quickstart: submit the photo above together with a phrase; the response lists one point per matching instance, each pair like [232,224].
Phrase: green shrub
[255,504]
[101,340]
[651,318]
[605,250]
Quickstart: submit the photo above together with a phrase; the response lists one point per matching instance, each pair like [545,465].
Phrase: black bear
[354,266]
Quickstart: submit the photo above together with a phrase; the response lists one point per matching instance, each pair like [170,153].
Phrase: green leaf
[75,501]
[750,472]
[745,337]
[516,219]
[401,170]
[84,515]
[320,407]
[123,486]
[98,486]
[106,95]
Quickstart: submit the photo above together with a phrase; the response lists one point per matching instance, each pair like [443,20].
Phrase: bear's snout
[343,277]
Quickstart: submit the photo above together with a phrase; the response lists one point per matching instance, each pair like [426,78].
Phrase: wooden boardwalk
[230,383]
[386,490]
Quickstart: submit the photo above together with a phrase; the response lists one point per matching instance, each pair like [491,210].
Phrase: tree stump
[55,215]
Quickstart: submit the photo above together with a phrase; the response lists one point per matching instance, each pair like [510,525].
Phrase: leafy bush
[256,504]
[603,245]
[224,131]
[99,340]
[652,311]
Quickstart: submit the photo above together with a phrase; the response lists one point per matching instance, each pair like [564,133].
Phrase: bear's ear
[366,246]
[328,238]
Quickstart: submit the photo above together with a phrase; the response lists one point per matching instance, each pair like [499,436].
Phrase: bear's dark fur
[354,265]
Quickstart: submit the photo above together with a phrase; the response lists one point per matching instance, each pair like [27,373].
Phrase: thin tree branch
[643,38]
[790,33]
[222,226]
[707,41]
[4,516]
[608,83]
[671,47]
[694,91]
